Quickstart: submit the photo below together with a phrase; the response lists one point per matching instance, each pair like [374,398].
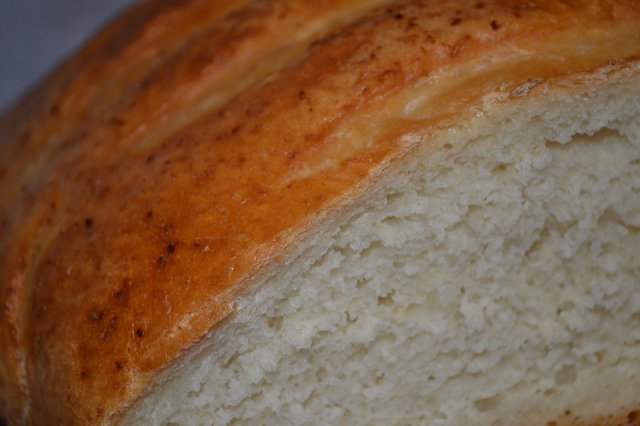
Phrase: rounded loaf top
[190,144]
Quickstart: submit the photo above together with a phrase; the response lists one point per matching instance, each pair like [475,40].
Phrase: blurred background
[37,34]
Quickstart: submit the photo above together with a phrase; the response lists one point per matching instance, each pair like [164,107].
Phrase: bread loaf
[328,212]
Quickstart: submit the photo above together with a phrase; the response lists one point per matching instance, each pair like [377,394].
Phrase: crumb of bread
[498,276]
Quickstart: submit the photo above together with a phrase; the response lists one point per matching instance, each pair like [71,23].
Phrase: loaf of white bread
[340,212]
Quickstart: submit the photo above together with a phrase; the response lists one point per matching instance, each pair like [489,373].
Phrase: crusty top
[191,143]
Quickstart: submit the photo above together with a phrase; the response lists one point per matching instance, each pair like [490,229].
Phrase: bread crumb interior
[494,277]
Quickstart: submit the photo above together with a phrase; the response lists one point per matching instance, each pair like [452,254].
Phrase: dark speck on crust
[88,223]
[140,332]
[495,25]
[117,121]
[455,21]
[162,260]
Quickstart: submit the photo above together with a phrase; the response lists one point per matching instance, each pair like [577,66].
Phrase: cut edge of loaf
[492,277]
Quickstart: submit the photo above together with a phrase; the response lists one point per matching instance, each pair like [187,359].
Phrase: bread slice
[334,213]
[493,280]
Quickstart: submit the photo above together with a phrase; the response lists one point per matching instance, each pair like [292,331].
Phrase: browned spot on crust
[630,418]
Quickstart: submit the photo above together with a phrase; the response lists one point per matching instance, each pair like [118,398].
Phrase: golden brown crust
[141,190]
[626,418]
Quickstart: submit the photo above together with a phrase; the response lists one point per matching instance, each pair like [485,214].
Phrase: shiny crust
[190,144]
